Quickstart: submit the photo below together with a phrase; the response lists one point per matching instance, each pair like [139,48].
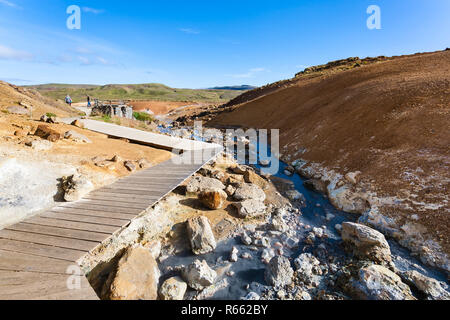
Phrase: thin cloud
[250,74]
[91,10]
[10,4]
[7,53]
[189,31]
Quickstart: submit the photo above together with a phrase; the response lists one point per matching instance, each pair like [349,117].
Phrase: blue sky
[200,44]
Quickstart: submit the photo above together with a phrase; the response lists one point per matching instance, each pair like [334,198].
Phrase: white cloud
[250,74]
[84,61]
[9,4]
[91,10]
[7,53]
[189,31]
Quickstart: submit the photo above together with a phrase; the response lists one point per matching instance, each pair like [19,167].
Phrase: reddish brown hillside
[389,120]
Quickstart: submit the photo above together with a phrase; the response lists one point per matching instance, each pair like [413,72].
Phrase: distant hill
[243,87]
[148,91]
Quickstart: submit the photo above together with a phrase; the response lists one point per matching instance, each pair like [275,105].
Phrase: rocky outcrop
[249,192]
[173,289]
[199,275]
[136,277]
[279,272]
[200,235]
[379,283]
[76,187]
[366,243]
[213,199]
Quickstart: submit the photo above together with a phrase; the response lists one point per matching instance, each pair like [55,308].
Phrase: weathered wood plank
[14,261]
[94,213]
[30,285]
[96,207]
[116,204]
[41,250]
[60,242]
[26,226]
[95,228]
[77,218]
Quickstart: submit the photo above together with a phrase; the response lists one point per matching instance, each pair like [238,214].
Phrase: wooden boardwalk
[38,256]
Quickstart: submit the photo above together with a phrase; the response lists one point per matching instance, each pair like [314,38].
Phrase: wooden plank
[78,218]
[58,232]
[41,250]
[98,228]
[106,196]
[137,188]
[77,205]
[15,261]
[94,213]
[29,285]
[155,193]
[115,203]
[60,242]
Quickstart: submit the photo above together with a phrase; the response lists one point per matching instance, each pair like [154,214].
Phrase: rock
[246,256]
[75,187]
[214,199]
[234,255]
[78,123]
[249,191]
[253,178]
[252,296]
[246,239]
[199,184]
[39,145]
[199,275]
[116,159]
[143,163]
[200,235]
[154,248]
[338,228]
[347,200]
[239,169]
[428,286]
[294,195]
[45,132]
[136,277]
[351,177]
[302,295]
[316,184]
[366,243]
[250,208]
[305,264]
[130,166]
[219,175]
[173,289]
[21,133]
[18,110]
[318,232]
[279,272]
[267,254]
[278,224]
[76,136]
[379,283]
[230,190]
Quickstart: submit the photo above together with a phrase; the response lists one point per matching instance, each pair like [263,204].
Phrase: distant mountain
[146,91]
[243,87]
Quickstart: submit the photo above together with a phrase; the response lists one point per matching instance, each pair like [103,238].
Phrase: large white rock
[432,288]
[305,264]
[199,184]
[249,192]
[279,272]
[250,208]
[173,289]
[199,275]
[200,235]
[379,283]
[366,242]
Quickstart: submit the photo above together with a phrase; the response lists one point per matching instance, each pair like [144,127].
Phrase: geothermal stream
[315,215]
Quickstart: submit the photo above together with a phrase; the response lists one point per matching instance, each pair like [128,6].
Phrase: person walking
[88,101]
[69,100]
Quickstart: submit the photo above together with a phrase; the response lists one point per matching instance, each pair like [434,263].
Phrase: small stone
[279,272]
[250,208]
[116,159]
[75,187]
[246,239]
[200,235]
[76,136]
[78,123]
[143,163]
[213,199]
[173,289]
[199,275]
[230,190]
[234,255]
[130,166]
[252,296]
[247,256]
[45,132]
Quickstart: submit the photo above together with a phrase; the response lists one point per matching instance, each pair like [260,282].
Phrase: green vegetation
[50,115]
[142,116]
[149,91]
[5,111]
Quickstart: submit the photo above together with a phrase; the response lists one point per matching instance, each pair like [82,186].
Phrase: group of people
[68,100]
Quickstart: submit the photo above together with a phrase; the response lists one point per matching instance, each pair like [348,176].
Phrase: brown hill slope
[11,95]
[389,120]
